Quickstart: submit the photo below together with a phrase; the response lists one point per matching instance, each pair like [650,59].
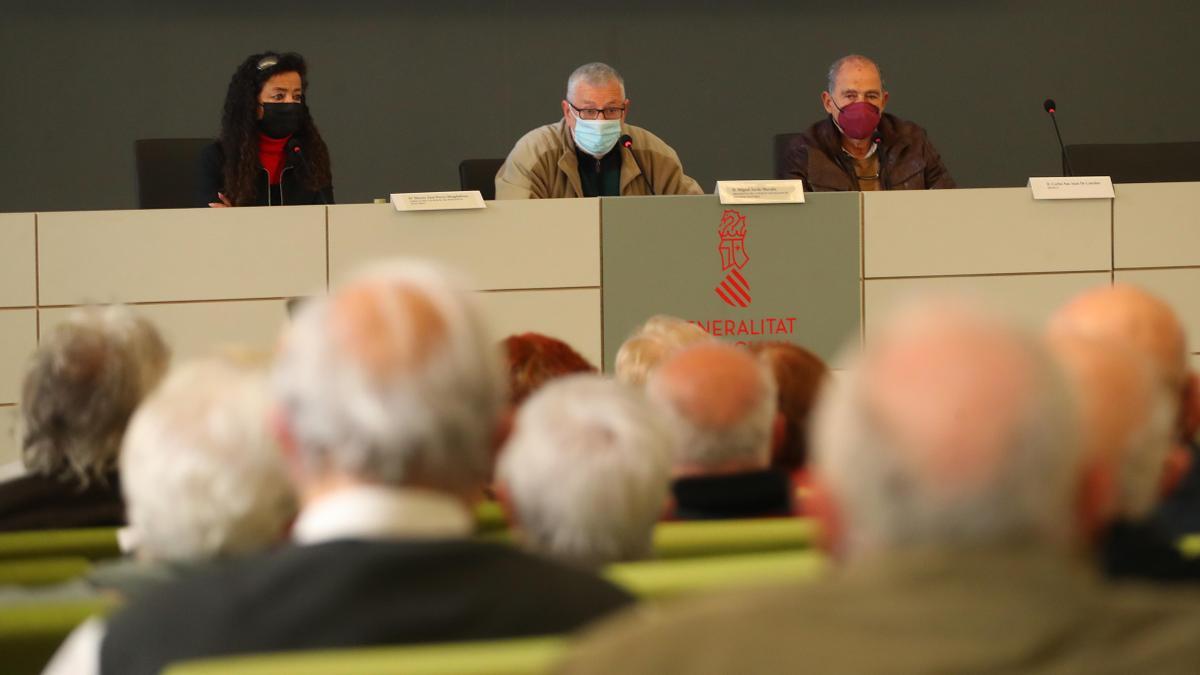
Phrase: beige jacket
[543,165]
[997,610]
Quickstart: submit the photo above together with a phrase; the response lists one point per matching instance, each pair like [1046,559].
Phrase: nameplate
[1072,187]
[760,191]
[438,201]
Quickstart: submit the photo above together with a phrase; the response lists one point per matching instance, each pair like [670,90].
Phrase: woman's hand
[221,204]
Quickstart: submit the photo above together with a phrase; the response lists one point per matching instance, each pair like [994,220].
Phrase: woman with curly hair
[270,152]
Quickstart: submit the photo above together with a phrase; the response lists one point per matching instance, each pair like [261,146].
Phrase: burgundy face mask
[858,119]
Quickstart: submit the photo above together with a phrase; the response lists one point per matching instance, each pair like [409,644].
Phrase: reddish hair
[535,359]
[799,375]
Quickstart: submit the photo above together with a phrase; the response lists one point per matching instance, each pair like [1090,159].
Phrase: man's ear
[821,506]
[281,432]
[827,103]
[778,434]
[504,498]
[1190,411]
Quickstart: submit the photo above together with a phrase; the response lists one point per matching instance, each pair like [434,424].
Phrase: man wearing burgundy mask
[859,147]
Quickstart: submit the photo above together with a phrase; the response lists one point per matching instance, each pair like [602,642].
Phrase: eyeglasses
[613,113]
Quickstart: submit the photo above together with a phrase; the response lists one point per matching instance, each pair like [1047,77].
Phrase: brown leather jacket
[907,160]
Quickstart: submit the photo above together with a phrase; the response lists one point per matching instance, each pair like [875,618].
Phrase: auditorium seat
[690,539]
[42,571]
[661,579]
[31,632]
[93,543]
[511,657]
[167,170]
[781,142]
[479,174]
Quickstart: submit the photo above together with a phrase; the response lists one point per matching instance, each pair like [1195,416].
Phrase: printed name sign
[1072,187]
[438,201]
[760,191]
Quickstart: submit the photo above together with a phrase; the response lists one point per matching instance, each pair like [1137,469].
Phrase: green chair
[42,571]
[1190,546]
[697,538]
[490,518]
[523,656]
[93,543]
[663,579]
[30,633]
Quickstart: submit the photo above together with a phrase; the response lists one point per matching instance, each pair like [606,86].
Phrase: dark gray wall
[403,90]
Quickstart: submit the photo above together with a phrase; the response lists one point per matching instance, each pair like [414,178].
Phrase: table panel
[572,316]
[18,272]
[18,340]
[1156,225]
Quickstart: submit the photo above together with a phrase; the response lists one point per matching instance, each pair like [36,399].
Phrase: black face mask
[281,120]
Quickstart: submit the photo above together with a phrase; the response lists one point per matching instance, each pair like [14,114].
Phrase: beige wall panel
[180,254]
[18,273]
[572,316]
[988,231]
[197,328]
[548,243]
[10,448]
[18,340]
[1029,298]
[1180,287]
[1156,225]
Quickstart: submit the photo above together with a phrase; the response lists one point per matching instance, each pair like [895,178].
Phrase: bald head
[722,402]
[1125,417]
[1128,314]
[951,428]
[392,379]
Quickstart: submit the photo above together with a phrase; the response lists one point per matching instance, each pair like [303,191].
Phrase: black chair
[479,174]
[781,145]
[1135,162]
[167,170]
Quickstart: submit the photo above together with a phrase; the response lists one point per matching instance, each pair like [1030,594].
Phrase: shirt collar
[376,512]
[870,152]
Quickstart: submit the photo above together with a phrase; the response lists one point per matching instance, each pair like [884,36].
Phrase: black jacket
[355,593]
[907,160]
[289,192]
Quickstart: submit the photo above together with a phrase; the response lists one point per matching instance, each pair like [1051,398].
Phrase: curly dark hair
[239,129]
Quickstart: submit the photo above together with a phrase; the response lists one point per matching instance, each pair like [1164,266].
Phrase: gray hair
[595,74]
[1141,462]
[836,67]
[201,476]
[651,344]
[430,420]
[746,440]
[587,469]
[82,386]
[886,504]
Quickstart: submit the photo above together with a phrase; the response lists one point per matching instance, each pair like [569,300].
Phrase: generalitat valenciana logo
[734,290]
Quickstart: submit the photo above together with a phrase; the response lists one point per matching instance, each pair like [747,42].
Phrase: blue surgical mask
[597,137]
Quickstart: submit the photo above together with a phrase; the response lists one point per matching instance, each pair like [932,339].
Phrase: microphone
[626,141]
[1050,108]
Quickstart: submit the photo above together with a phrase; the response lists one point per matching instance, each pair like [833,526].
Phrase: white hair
[651,344]
[885,504]
[1141,462]
[200,473]
[748,440]
[430,421]
[595,74]
[588,468]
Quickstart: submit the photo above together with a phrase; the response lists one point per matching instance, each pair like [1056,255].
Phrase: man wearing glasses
[579,156]
[859,147]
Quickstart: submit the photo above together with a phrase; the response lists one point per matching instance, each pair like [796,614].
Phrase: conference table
[822,273]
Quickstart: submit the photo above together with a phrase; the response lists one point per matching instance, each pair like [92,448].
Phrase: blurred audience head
[651,344]
[799,375]
[535,359]
[586,471]
[392,379]
[201,475]
[720,403]
[951,429]
[85,380]
[1126,420]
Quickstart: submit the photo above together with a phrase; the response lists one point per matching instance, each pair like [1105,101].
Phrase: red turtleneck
[270,155]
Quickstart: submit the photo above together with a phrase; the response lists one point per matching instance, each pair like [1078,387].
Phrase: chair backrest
[781,145]
[31,632]
[660,579]
[1136,162]
[93,543]
[479,174]
[524,656]
[698,538]
[42,571]
[167,171]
